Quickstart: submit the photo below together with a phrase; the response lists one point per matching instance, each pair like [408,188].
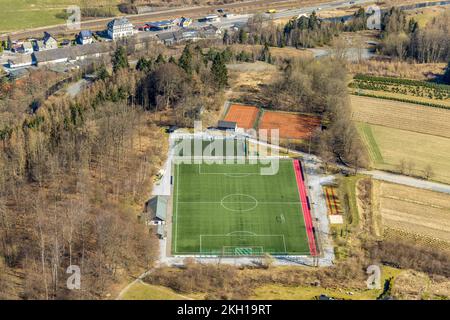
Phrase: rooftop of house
[161,23]
[85,34]
[166,36]
[47,37]
[118,22]
[227,124]
[72,52]
[19,59]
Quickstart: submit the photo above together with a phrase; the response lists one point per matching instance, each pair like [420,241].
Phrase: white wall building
[119,28]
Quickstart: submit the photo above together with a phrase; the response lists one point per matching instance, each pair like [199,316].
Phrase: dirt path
[407,181]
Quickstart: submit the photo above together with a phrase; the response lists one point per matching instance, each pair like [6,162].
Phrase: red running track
[306,212]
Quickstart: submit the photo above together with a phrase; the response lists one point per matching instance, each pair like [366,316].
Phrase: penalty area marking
[231,234]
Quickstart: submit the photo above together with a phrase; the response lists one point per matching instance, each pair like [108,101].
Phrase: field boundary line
[371,143]
[282,236]
[219,202]
[176,210]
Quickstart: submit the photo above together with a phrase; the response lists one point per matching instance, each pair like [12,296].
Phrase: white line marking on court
[176,209]
[246,232]
[254,202]
[219,202]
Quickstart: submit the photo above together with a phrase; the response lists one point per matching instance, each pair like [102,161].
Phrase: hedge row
[408,82]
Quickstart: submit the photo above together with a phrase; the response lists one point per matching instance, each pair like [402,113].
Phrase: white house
[47,43]
[119,28]
[84,37]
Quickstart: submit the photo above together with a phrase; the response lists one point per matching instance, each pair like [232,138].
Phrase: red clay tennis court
[244,116]
[292,126]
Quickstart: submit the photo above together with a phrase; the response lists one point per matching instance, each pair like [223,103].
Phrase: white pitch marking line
[176,209]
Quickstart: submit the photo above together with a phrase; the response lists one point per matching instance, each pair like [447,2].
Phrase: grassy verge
[277,292]
[141,291]
[25,14]
[369,139]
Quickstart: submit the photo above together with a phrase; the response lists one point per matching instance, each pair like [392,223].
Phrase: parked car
[171,129]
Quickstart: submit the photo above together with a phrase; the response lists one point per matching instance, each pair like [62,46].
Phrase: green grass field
[231,209]
[387,147]
[26,14]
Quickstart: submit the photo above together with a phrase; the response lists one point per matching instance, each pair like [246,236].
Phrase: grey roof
[47,36]
[166,36]
[85,33]
[118,22]
[19,59]
[71,53]
[158,207]
[227,124]
[160,24]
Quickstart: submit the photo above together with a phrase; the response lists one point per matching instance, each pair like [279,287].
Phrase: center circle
[239,202]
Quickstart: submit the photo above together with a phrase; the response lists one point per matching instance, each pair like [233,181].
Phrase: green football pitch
[231,209]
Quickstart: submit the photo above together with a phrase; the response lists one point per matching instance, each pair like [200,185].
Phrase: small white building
[47,43]
[84,37]
[119,28]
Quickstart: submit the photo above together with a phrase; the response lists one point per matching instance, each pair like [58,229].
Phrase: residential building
[119,28]
[210,31]
[185,22]
[84,37]
[172,37]
[167,38]
[47,43]
[24,47]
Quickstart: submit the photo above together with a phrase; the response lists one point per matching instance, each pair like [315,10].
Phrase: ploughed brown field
[418,212]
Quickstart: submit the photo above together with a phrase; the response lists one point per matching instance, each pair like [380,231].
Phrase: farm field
[404,137]
[401,115]
[246,214]
[389,147]
[398,97]
[291,125]
[415,91]
[24,14]
[414,211]
[244,116]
